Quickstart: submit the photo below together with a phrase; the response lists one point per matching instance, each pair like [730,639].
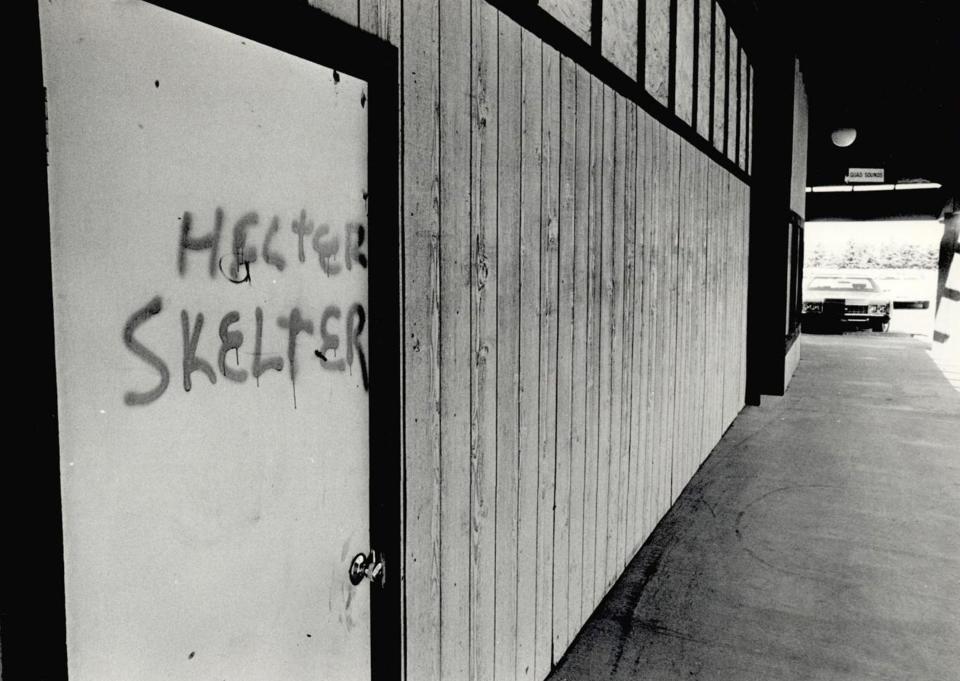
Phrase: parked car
[909,290]
[841,299]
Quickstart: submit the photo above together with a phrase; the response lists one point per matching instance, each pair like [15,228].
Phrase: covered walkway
[820,540]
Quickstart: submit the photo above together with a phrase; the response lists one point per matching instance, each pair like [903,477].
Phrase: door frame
[295,28]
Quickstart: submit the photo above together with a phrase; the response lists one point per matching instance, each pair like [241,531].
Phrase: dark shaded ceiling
[890,70]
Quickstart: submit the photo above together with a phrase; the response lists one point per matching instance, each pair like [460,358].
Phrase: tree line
[871,255]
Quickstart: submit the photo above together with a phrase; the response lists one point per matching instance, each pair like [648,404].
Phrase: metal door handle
[369,566]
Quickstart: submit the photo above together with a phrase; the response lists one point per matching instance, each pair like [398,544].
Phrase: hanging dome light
[843,137]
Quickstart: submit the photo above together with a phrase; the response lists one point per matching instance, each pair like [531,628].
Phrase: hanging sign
[864,175]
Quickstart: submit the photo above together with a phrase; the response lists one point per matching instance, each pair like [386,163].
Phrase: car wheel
[880,326]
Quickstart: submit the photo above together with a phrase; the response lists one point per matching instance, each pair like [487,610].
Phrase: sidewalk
[820,540]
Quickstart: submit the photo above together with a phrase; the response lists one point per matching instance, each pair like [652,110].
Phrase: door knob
[369,566]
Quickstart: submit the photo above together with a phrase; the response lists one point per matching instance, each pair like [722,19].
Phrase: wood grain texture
[628,479]
[717,288]
[683,330]
[508,346]
[710,297]
[666,228]
[579,606]
[422,324]
[616,279]
[719,79]
[657,50]
[683,68]
[592,349]
[574,14]
[703,214]
[651,336]
[638,421]
[563,568]
[382,18]
[688,302]
[620,34]
[723,286]
[547,487]
[672,307]
[455,338]
[529,349]
[574,316]
[704,78]
[726,272]
[659,358]
[483,231]
[698,236]
[605,348]
[733,100]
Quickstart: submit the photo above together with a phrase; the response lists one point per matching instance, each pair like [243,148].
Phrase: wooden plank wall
[574,14]
[620,34]
[704,10]
[733,113]
[684,49]
[574,287]
[720,57]
[657,50]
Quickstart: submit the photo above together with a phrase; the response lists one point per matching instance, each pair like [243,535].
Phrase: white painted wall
[206,533]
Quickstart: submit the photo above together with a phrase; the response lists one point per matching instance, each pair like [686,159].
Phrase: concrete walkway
[820,540]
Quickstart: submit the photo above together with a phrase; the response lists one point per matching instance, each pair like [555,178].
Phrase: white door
[207,205]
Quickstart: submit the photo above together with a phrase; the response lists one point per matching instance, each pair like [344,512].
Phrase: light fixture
[919,185]
[832,188]
[843,137]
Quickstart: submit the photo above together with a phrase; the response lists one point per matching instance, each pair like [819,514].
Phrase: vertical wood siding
[574,14]
[620,34]
[719,79]
[657,53]
[683,65]
[565,581]
[547,592]
[529,404]
[733,101]
[704,63]
[508,347]
[483,410]
[421,315]
[574,316]
[454,351]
